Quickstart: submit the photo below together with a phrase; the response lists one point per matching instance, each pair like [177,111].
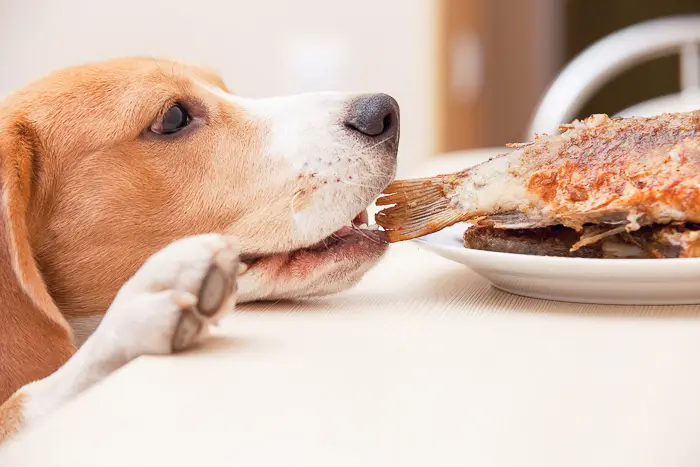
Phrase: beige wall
[262,47]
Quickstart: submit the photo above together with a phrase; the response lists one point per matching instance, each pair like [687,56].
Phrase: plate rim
[560,259]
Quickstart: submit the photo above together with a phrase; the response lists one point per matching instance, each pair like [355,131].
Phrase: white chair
[619,52]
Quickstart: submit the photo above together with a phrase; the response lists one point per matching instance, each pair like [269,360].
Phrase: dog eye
[174,120]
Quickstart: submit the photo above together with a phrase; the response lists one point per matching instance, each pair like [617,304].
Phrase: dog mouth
[358,229]
[356,238]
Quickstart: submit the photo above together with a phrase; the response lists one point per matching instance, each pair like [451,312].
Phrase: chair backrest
[619,52]
[684,101]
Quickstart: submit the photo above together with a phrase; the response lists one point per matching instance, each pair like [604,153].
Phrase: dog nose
[373,115]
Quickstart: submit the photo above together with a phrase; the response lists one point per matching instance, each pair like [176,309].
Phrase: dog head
[105,164]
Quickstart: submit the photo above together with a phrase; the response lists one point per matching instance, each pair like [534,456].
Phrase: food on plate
[673,241]
[622,187]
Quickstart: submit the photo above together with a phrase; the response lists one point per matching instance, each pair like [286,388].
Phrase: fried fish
[601,178]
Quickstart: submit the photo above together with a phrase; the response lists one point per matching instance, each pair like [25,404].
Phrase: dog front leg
[166,306]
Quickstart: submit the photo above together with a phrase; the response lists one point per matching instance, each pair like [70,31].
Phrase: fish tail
[418,207]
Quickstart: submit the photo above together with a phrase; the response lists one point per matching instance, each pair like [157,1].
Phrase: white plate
[583,280]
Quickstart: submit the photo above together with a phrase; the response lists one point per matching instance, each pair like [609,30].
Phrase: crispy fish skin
[634,171]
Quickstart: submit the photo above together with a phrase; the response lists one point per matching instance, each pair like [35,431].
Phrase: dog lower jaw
[331,265]
[312,272]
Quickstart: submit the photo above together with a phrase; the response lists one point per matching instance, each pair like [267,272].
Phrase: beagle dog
[141,200]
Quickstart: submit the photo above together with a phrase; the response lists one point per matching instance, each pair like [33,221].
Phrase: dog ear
[19,147]
[35,338]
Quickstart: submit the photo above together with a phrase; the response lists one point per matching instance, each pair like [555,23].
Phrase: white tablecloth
[423,364]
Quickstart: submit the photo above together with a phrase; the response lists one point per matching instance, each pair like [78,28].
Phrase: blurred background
[467,73]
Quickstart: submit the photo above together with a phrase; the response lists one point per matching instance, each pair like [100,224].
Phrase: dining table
[423,363]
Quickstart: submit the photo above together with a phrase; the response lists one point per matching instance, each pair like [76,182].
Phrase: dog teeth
[368,227]
[242,268]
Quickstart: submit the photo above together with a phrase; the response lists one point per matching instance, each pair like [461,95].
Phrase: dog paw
[172,299]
